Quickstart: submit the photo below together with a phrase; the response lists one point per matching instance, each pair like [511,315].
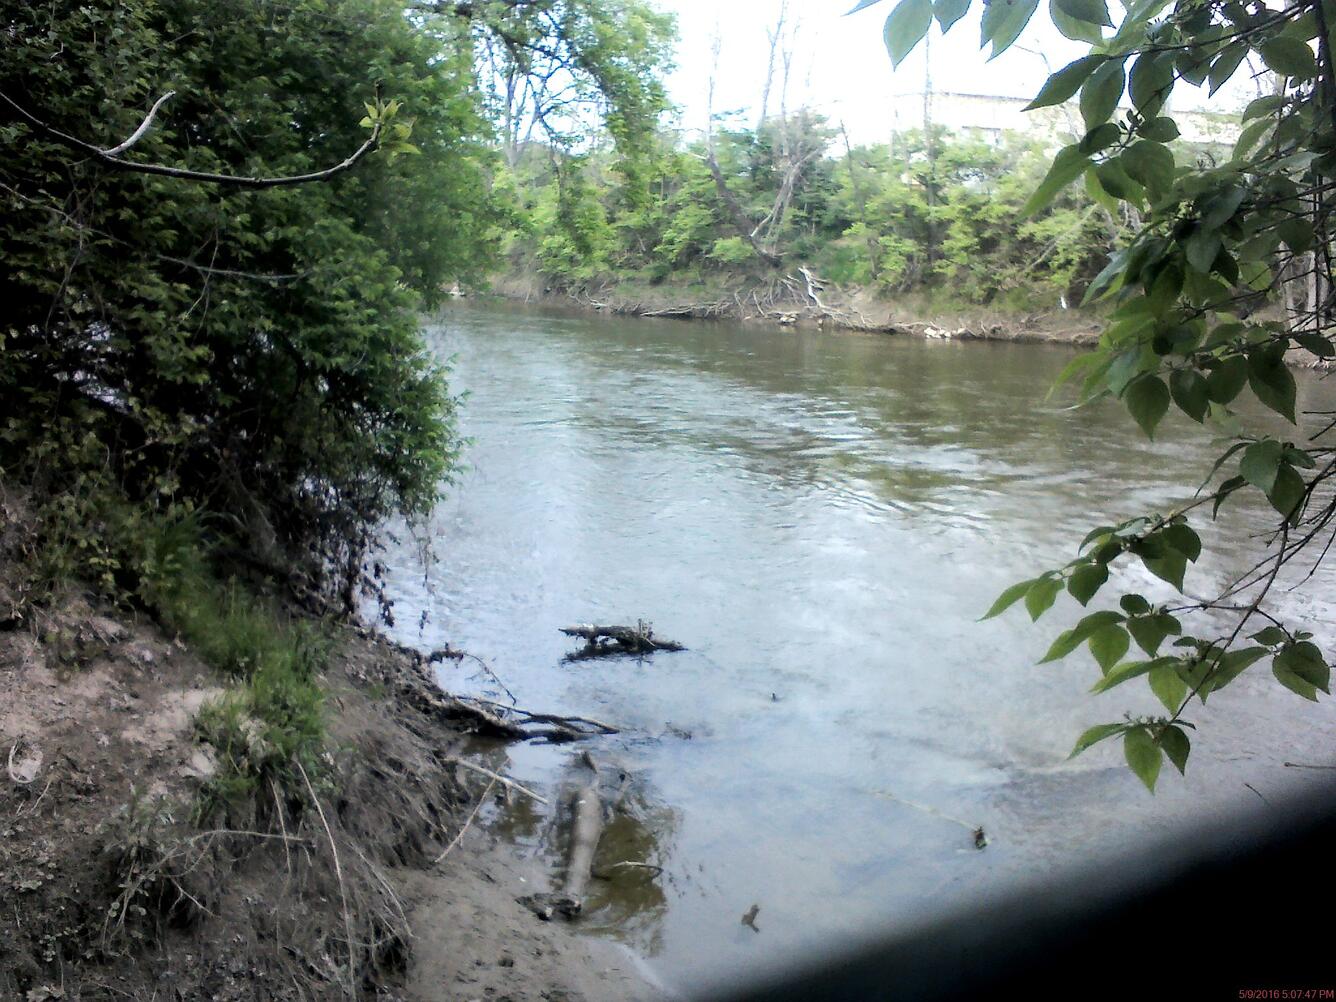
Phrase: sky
[841,67]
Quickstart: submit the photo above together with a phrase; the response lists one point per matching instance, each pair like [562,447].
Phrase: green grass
[270,719]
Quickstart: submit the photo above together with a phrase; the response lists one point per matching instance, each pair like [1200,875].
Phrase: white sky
[841,67]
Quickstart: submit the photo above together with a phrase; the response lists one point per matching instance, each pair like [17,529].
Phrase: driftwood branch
[606,641]
[490,718]
[496,777]
[111,157]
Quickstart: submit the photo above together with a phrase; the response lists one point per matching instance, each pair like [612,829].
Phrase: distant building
[989,117]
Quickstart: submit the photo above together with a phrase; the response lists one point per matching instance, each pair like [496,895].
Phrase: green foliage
[255,351]
[1229,270]
[926,214]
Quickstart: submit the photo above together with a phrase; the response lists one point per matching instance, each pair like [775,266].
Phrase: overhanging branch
[110,157]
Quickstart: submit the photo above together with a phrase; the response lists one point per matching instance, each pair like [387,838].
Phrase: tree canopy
[219,222]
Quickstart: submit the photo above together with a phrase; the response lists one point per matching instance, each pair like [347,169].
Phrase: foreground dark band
[1235,911]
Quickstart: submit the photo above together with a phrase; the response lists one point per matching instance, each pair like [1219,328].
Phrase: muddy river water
[821,519]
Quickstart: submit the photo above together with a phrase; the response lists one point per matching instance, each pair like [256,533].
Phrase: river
[821,519]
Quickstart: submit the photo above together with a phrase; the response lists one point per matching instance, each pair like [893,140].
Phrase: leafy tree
[1229,271]
[219,313]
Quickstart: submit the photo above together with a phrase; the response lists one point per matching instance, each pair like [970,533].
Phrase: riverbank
[803,301]
[379,881]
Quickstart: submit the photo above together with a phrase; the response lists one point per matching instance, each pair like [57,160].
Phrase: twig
[468,821]
[544,718]
[603,870]
[36,803]
[498,778]
[1301,765]
[343,892]
[1259,794]
[926,809]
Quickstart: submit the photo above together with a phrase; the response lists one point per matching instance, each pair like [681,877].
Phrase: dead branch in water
[496,777]
[608,641]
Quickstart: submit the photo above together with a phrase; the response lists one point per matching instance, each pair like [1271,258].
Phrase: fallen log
[608,641]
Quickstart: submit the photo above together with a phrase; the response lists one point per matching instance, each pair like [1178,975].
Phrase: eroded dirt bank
[116,886]
[800,303]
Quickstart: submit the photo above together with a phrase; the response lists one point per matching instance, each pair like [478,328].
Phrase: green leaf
[1066,82]
[1094,534]
[1263,106]
[948,12]
[1272,381]
[1304,660]
[1234,664]
[1249,138]
[1272,636]
[1176,746]
[1095,735]
[1201,248]
[1224,491]
[1080,31]
[1183,539]
[1289,57]
[1159,130]
[1149,632]
[1101,137]
[1170,567]
[1151,80]
[1067,166]
[1101,93]
[1150,163]
[1069,640]
[1009,598]
[1287,494]
[1089,11]
[1227,379]
[1220,208]
[1041,596]
[1108,645]
[1143,756]
[1168,687]
[1293,682]
[1134,605]
[1225,64]
[1003,22]
[906,26]
[1188,389]
[1318,344]
[1261,463]
[1297,233]
[1124,672]
[1086,581]
[1147,400]
[1114,180]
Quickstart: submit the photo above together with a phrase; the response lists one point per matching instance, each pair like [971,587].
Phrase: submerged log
[607,641]
[586,829]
